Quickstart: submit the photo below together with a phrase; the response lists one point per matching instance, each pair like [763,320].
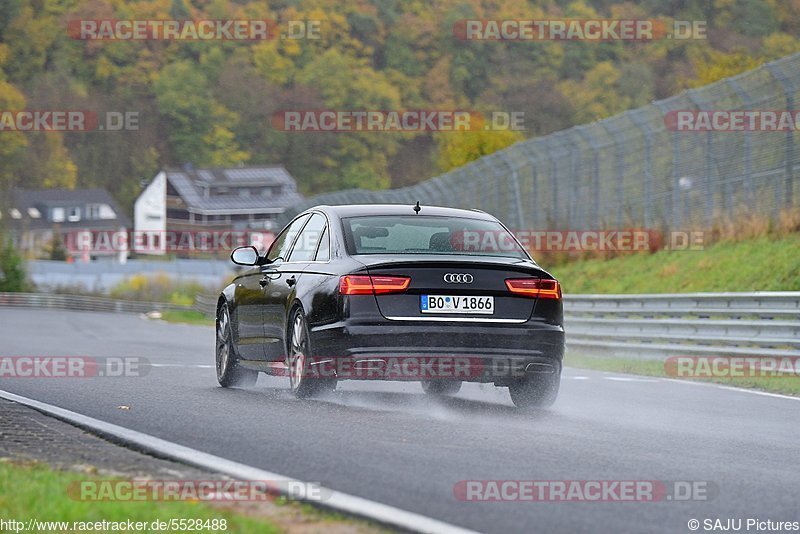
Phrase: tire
[299,351]
[441,387]
[538,390]
[229,373]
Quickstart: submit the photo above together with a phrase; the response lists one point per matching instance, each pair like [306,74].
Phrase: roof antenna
[417,208]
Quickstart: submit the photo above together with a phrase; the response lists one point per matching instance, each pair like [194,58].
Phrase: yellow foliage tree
[713,66]
[12,144]
[456,149]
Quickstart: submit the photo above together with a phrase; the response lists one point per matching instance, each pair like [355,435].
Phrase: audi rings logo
[458,278]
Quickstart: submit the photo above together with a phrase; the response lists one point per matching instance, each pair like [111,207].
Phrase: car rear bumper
[472,352]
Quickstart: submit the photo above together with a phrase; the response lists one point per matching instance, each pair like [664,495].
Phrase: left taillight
[534,288]
[352,284]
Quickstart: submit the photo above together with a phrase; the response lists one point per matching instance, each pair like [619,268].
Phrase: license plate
[453,304]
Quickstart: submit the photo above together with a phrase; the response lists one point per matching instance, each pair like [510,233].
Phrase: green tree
[56,250]
[13,277]
[198,125]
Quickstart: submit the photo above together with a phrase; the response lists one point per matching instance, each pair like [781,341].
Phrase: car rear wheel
[441,387]
[301,382]
[229,373]
[537,390]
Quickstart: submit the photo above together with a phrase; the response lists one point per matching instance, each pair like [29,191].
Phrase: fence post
[619,168]
[514,179]
[551,154]
[789,89]
[709,159]
[527,148]
[592,142]
[676,158]
[574,155]
[747,178]
[648,165]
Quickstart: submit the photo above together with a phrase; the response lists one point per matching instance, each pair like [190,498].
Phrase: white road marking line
[343,502]
[751,391]
[630,379]
[733,388]
[701,383]
[757,392]
[577,377]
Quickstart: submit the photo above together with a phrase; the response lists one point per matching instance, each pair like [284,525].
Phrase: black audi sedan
[393,292]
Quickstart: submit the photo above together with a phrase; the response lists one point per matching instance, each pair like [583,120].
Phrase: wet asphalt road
[390,443]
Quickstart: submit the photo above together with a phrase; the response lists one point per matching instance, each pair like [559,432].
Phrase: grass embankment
[766,263]
[35,491]
[762,264]
[186,317]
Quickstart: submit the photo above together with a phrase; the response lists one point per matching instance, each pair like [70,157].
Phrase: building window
[107,213]
[272,191]
[178,214]
[34,213]
[15,214]
[244,192]
[98,212]
[58,214]
[73,214]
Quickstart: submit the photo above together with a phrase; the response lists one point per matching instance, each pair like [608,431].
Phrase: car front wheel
[229,373]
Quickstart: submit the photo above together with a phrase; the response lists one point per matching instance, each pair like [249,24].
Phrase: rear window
[420,234]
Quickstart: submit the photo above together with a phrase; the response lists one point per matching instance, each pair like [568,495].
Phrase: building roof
[25,200]
[192,183]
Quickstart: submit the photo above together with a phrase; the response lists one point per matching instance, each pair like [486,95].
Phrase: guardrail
[653,326]
[206,304]
[643,326]
[84,303]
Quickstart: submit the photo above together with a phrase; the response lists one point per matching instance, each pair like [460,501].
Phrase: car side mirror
[245,256]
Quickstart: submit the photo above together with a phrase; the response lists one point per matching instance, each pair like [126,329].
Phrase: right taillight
[534,288]
[352,284]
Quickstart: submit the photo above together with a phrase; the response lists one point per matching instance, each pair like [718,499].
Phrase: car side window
[324,249]
[280,248]
[306,244]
